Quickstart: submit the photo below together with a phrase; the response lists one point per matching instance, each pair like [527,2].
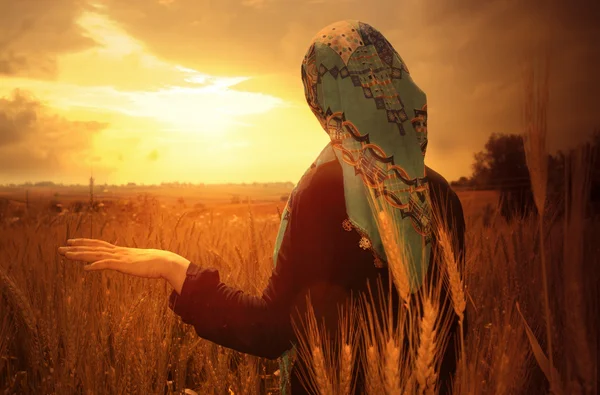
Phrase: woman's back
[335,263]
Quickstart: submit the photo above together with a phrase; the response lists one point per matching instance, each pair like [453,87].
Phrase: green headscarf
[361,92]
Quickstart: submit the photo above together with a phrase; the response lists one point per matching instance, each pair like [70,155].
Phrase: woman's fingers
[89,243]
[64,250]
[89,256]
[105,264]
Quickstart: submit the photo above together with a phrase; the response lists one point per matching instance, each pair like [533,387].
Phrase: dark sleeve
[259,325]
[231,318]
[458,224]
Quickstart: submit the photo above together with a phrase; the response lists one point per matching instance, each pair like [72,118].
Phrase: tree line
[502,166]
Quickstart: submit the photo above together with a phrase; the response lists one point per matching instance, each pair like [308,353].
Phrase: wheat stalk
[535,119]
[128,320]
[386,365]
[373,373]
[395,256]
[392,366]
[534,138]
[456,283]
[329,366]
[426,353]
[346,364]
[319,366]
[24,310]
[577,175]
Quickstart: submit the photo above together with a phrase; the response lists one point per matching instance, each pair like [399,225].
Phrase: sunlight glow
[164,121]
[184,99]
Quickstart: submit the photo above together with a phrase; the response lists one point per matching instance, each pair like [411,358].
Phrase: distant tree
[481,170]
[462,182]
[501,162]
[502,165]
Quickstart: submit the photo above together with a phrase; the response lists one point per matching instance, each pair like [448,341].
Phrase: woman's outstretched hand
[148,263]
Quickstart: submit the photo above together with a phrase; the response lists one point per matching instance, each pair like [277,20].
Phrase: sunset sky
[210,91]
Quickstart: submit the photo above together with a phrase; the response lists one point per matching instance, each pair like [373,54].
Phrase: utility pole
[91,203]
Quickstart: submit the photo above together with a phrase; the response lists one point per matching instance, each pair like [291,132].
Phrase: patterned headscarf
[360,90]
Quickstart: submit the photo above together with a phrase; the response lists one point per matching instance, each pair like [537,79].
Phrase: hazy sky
[210,90]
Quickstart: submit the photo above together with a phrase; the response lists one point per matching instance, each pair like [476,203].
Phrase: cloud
[17,119]
[467,54]
[230,36]
[34,33]
[121,76]
[36,143]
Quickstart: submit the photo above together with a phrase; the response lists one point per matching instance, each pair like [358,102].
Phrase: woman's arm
[256,325]
[262,325]
[225,315]
[175,273]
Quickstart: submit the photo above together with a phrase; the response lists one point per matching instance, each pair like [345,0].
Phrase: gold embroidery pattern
[347,225]
[364,243]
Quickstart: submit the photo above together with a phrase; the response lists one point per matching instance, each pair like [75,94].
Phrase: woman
[328,245]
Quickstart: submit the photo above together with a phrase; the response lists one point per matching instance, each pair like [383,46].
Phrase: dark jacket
[317,255]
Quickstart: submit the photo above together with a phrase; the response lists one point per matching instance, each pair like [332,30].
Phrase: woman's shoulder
[438,185]
[320,191]
[325,178]
[444,199]
[435,178]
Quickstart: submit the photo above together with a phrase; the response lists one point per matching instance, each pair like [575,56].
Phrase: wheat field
[65,331]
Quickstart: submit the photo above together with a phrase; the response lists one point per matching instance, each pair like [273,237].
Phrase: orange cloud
[34,33]
[35,143]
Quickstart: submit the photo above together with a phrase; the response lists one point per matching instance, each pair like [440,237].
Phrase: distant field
[207,194]
[227,199]
[476,201]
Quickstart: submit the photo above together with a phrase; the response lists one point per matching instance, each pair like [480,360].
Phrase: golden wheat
[426,354]
[397,263]
[373,372]
[321,377]
[392,367]
[346,368]
[457,291]
[503,261]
